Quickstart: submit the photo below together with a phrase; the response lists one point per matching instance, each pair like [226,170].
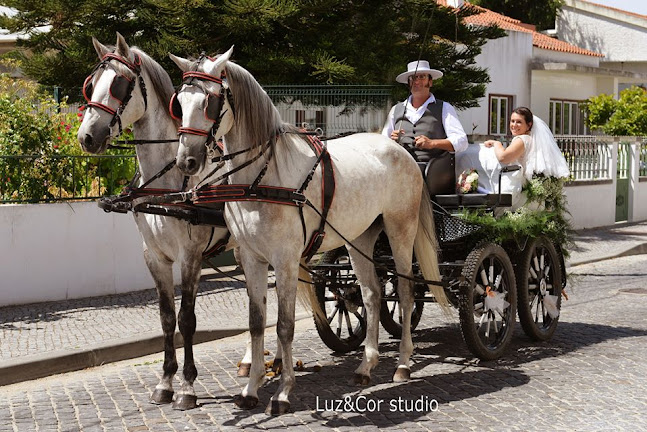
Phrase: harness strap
[216,249]
[327,194]
[229,193]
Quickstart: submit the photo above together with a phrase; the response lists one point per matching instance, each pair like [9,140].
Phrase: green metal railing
[33,178]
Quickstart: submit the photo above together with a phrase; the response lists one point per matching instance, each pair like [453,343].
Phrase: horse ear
[182,63]
[100,48]
[219,64]
[122,47]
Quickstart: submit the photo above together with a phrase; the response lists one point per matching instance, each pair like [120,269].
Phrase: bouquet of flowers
[468,181]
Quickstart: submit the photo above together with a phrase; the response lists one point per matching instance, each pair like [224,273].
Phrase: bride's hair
[526,114]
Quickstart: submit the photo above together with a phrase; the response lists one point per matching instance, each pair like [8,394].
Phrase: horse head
[115,95]
[202,104]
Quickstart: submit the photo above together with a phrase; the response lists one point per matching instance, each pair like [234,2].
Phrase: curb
[635,250]
[36,366]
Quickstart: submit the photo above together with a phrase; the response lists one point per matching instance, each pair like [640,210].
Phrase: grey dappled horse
[378,187]
[166,239]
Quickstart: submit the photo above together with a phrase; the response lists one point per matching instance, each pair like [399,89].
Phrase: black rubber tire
[539,273]
[337,334]
[388,310]
[483,266]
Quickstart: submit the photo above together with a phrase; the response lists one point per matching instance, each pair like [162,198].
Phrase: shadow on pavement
[442,347]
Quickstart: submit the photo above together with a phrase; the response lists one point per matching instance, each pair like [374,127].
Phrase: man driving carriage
[428,127]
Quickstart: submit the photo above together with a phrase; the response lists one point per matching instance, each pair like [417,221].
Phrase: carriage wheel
[487,301]
[390,309]
[539,285]
[340,298]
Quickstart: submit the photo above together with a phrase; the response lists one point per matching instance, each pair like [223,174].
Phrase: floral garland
[548,220]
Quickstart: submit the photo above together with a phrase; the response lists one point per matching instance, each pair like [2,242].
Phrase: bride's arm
[508,154]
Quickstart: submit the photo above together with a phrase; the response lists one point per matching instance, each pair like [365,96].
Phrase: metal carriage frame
[488,283]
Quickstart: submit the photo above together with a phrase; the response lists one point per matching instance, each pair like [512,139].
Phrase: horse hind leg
[186,398]
[371,296]
[162,273]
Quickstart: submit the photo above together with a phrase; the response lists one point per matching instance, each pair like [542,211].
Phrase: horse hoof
[402,374]
[160,396]
[185,402]
[362,380]
[276,408]
[245,402]
[277,366]
[243,369]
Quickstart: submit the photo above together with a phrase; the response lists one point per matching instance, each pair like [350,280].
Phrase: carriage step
[474,200]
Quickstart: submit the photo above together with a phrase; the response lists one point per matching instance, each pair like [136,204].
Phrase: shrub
[44,160]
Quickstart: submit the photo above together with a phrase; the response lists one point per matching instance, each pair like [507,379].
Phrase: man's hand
[396,134]
[423,142]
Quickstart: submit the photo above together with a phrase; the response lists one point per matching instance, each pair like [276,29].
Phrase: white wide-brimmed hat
[418,67]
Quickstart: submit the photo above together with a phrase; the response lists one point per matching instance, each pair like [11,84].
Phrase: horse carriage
[486,280]
[277,184]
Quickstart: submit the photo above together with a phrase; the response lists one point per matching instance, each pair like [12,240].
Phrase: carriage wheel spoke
[479,289]
[334,312]
[340,324]
[484,279]
[360,319]
[348,323]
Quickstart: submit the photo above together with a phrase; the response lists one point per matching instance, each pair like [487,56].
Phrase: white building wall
[547,85]
[508,62]
[619,36]
[62,251]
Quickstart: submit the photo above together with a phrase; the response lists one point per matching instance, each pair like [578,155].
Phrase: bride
[533,147]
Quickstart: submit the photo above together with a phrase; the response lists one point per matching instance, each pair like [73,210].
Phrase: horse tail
[426,248]
[307,294]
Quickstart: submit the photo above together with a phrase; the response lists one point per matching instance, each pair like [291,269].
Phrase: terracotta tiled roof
[487,17]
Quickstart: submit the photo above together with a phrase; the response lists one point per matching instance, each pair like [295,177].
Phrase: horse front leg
[371,297]
[286,290]
[186,398]
[256,278]
[162,272]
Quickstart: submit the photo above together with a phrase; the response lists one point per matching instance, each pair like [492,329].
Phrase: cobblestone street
[591,376]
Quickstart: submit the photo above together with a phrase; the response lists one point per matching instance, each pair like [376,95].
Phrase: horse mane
[256,115]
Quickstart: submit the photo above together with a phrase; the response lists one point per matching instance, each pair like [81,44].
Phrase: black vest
[430,125]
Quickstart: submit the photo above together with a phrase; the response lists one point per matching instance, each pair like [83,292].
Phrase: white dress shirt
[453,128]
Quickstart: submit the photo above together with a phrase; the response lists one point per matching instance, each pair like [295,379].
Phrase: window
[499,115]
[311,119]
[566,118]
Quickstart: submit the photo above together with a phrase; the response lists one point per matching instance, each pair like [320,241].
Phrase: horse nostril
[191,164]
[88,141]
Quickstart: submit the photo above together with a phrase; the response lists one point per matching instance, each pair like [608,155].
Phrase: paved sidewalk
[42,339]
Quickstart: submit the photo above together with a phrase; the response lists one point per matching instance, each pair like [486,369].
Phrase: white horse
[378,187]
[166,239]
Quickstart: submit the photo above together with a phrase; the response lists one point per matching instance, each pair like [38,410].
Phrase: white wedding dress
[541,156]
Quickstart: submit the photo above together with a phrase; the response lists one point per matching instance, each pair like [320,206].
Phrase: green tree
[279,41]
[540,13]
[625,116]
